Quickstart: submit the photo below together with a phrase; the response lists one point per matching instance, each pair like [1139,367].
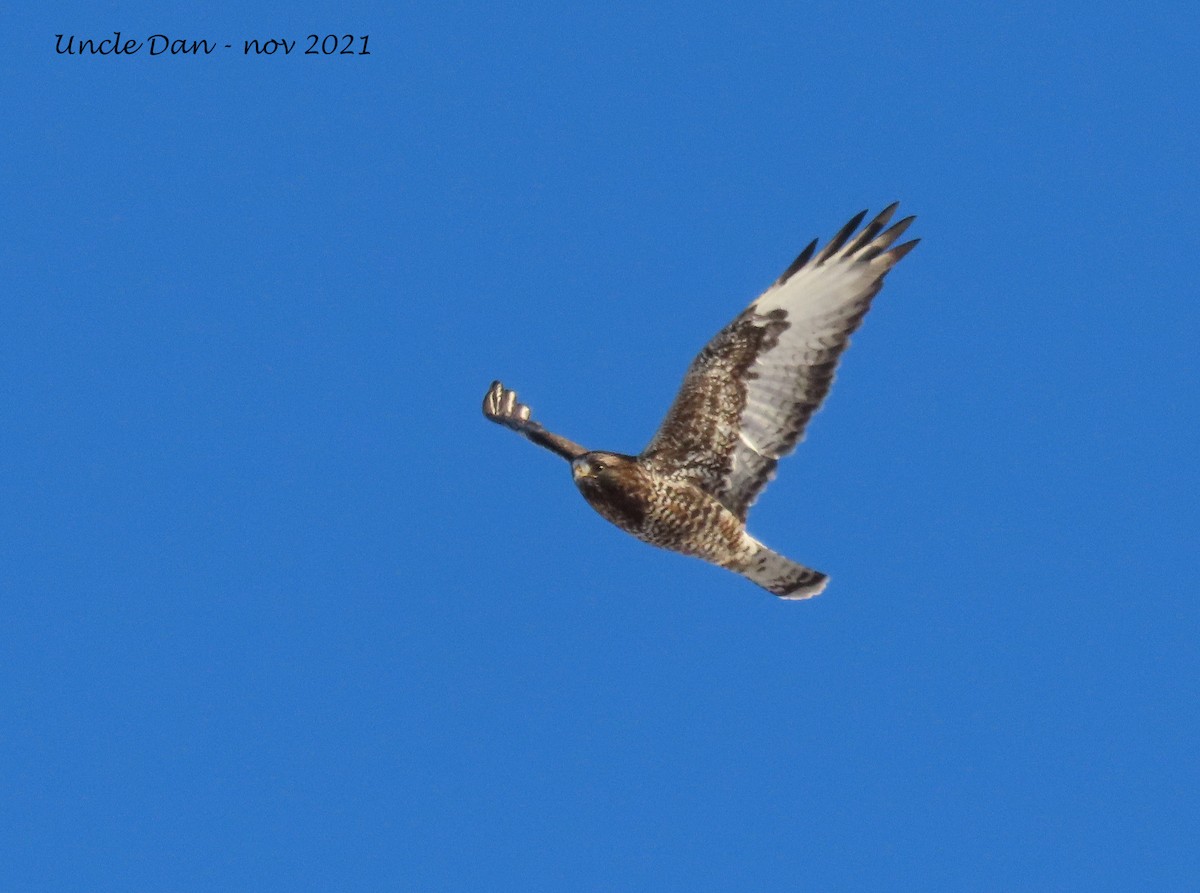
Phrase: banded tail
[782,576]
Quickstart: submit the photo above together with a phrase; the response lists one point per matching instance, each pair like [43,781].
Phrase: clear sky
[282,611]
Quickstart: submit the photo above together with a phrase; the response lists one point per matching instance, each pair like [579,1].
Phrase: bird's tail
[782,576]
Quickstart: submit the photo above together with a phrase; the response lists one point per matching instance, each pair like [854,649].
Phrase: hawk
[743,405]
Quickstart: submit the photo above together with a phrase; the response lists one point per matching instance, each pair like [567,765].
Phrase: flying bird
[743,405]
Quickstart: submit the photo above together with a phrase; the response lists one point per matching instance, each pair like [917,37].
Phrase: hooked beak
[581,468]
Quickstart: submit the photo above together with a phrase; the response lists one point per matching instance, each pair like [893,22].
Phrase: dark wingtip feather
[872,229]
[895,231]
[869,241]
[893,257]
[799,262]
[843,234]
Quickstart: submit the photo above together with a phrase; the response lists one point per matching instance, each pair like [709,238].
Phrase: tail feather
[782,576]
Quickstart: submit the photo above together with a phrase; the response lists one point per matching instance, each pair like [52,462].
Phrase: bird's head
[614,485]
[599,466]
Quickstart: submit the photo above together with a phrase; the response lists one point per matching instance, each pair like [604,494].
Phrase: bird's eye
[597,465]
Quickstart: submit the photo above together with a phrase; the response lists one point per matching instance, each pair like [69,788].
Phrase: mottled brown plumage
[743,405]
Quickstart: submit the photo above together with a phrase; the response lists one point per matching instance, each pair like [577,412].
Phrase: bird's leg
[502,407]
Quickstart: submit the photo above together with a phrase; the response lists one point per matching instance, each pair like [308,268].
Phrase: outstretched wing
[748,395]
[502,406]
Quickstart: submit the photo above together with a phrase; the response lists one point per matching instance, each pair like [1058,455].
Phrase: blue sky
[284,612]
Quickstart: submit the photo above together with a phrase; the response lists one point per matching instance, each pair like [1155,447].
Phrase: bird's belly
[683,518]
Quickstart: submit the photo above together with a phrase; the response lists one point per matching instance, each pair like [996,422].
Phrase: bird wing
[500,404]
[750,392]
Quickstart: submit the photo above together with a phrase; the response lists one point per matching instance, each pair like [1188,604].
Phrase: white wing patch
[749,393]
[746,442]
[823,300]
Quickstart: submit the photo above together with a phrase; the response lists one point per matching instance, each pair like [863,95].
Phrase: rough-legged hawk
[743,405]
